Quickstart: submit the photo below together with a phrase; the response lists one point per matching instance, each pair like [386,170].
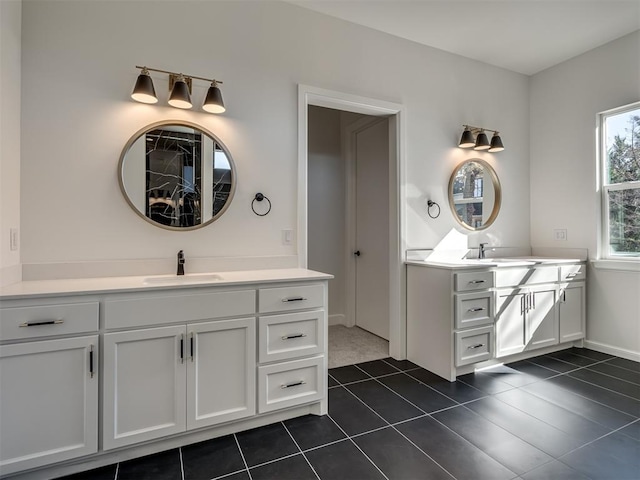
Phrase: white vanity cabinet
[459,315]
[48,383]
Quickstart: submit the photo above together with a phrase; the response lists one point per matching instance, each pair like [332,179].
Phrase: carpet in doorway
[350,345]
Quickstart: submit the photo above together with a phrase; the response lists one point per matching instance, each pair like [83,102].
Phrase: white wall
[326,196]
[78,71]
[565,101]
[10,32]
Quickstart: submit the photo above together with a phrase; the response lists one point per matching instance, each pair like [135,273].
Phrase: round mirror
[177,175]
[474,194]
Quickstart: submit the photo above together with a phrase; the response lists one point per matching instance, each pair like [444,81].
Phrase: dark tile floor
[568,415]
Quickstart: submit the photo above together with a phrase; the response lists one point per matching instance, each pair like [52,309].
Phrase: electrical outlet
[287,237]
[14,241]
[560,234]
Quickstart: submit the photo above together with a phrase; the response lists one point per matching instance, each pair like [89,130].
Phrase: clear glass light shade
[496,143]
[143,91]
[213,103]
[482,142]
[467,140]
[180,97]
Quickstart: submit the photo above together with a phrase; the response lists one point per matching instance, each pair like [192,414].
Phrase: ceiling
[525,36]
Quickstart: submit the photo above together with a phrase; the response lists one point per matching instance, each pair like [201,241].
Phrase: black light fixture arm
[212,80]
[478,129]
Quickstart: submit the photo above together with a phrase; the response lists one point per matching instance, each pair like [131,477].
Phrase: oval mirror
[474,194]
[177,175]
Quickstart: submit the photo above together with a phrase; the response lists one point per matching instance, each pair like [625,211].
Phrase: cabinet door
[572,312]
[510,326]
[144,385]
[49,405]
[542,317]
[221,371]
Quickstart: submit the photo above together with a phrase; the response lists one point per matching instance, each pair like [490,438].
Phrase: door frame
[309,95]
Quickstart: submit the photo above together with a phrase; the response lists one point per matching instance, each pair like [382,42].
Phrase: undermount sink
[180,279]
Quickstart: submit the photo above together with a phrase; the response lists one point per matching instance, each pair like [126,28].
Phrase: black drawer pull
[476,281]
[477,345]
[45,322]
[294,335]
[572,275]
[293,299]
[293,384]
[476,309]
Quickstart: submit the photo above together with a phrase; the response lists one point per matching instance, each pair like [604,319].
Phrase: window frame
[605,188]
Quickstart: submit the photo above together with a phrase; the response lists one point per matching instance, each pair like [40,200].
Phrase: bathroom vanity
[472,313]
[94,371]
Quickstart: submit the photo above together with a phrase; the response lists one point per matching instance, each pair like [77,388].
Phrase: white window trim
[605,259]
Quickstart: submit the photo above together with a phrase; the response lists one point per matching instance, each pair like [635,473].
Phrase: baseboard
[611,350]
[337,319]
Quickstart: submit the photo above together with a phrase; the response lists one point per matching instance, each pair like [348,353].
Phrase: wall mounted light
[480,142]
[180,90]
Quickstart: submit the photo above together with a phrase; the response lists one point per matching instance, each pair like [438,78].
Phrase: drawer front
[282,337]
[47,320]
[160,310]
[474,309]
[507,277]
[295,297]
[573,272]
[479,280]
[474,345]
[290,383]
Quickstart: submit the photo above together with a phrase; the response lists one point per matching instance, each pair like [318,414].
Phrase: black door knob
[357,253]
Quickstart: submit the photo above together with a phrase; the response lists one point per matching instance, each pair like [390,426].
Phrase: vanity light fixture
[481,142]
[180,90]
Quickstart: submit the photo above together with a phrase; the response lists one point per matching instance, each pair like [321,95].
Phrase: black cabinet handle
[293,299]
[293,384]
[476,309]
[357,253]
[191,345]
[91,361]
[181,348]
[44,322]
[477,345]
[294,335]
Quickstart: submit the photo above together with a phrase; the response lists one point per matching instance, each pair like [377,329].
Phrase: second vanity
[473,313]
[96,371]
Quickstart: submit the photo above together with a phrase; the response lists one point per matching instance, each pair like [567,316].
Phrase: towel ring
[258,198]
[430,204]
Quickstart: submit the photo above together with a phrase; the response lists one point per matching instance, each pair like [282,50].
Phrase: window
[620,162]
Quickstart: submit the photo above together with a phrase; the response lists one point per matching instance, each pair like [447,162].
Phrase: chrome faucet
[181,261]
[481,250]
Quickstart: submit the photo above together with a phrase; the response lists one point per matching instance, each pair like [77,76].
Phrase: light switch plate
[560,234]
[287,237]
[14,240]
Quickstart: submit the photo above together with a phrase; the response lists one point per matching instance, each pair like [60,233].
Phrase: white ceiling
[525,36]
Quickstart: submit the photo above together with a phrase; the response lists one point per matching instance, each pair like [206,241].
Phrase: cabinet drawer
[290,383]
[291,335]
[47,320]
[295,297]
[573,272]
[474,345]
[506,277]
[160,310]
[474,309]
[473,280]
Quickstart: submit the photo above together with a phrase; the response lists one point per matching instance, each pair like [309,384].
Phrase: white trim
[308,95]
[611,350]
[337,319]
[617,265]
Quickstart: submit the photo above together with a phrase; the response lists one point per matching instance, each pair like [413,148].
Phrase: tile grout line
[117,470]
[300,450]
[235,437]
[457,403]
[181,463]
[612,376]
[221,477]
[624,368]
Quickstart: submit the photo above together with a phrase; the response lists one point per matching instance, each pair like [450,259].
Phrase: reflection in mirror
[177,175]
[474,194]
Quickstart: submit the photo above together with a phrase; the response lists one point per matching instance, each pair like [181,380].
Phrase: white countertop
[493,262]
[44,288]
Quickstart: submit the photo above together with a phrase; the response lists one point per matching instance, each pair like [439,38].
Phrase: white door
[372,228]
[572,312]
[221,374]
[144,385]
[510,326]
[542,318]
[49,404]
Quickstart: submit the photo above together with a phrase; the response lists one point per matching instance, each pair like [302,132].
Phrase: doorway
[355,180]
